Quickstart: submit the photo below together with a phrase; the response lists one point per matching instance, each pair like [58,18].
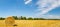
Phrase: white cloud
[44,6]
[27,1]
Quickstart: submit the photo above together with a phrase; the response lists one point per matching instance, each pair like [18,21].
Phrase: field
[33,23]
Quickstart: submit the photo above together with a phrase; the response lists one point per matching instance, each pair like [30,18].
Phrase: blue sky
[21,8]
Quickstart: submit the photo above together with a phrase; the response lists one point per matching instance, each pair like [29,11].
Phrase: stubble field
[33,23]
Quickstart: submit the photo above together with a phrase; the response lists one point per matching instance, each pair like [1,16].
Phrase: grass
[34,23]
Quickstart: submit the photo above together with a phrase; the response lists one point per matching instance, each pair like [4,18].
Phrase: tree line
[29,18]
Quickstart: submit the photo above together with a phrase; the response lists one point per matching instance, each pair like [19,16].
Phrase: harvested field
[33,23]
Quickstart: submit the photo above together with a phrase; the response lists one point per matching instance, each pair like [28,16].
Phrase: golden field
[33,23]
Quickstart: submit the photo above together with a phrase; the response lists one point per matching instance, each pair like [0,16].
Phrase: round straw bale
[9,21]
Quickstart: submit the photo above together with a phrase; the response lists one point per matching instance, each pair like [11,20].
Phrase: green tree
[41,18]
[2,18]
[30,18]
[23,18]
[36,18]
[15,17]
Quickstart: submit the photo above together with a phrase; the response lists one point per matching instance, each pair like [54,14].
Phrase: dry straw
[9,21]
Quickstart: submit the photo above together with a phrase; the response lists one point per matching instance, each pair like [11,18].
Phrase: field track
[33,23]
